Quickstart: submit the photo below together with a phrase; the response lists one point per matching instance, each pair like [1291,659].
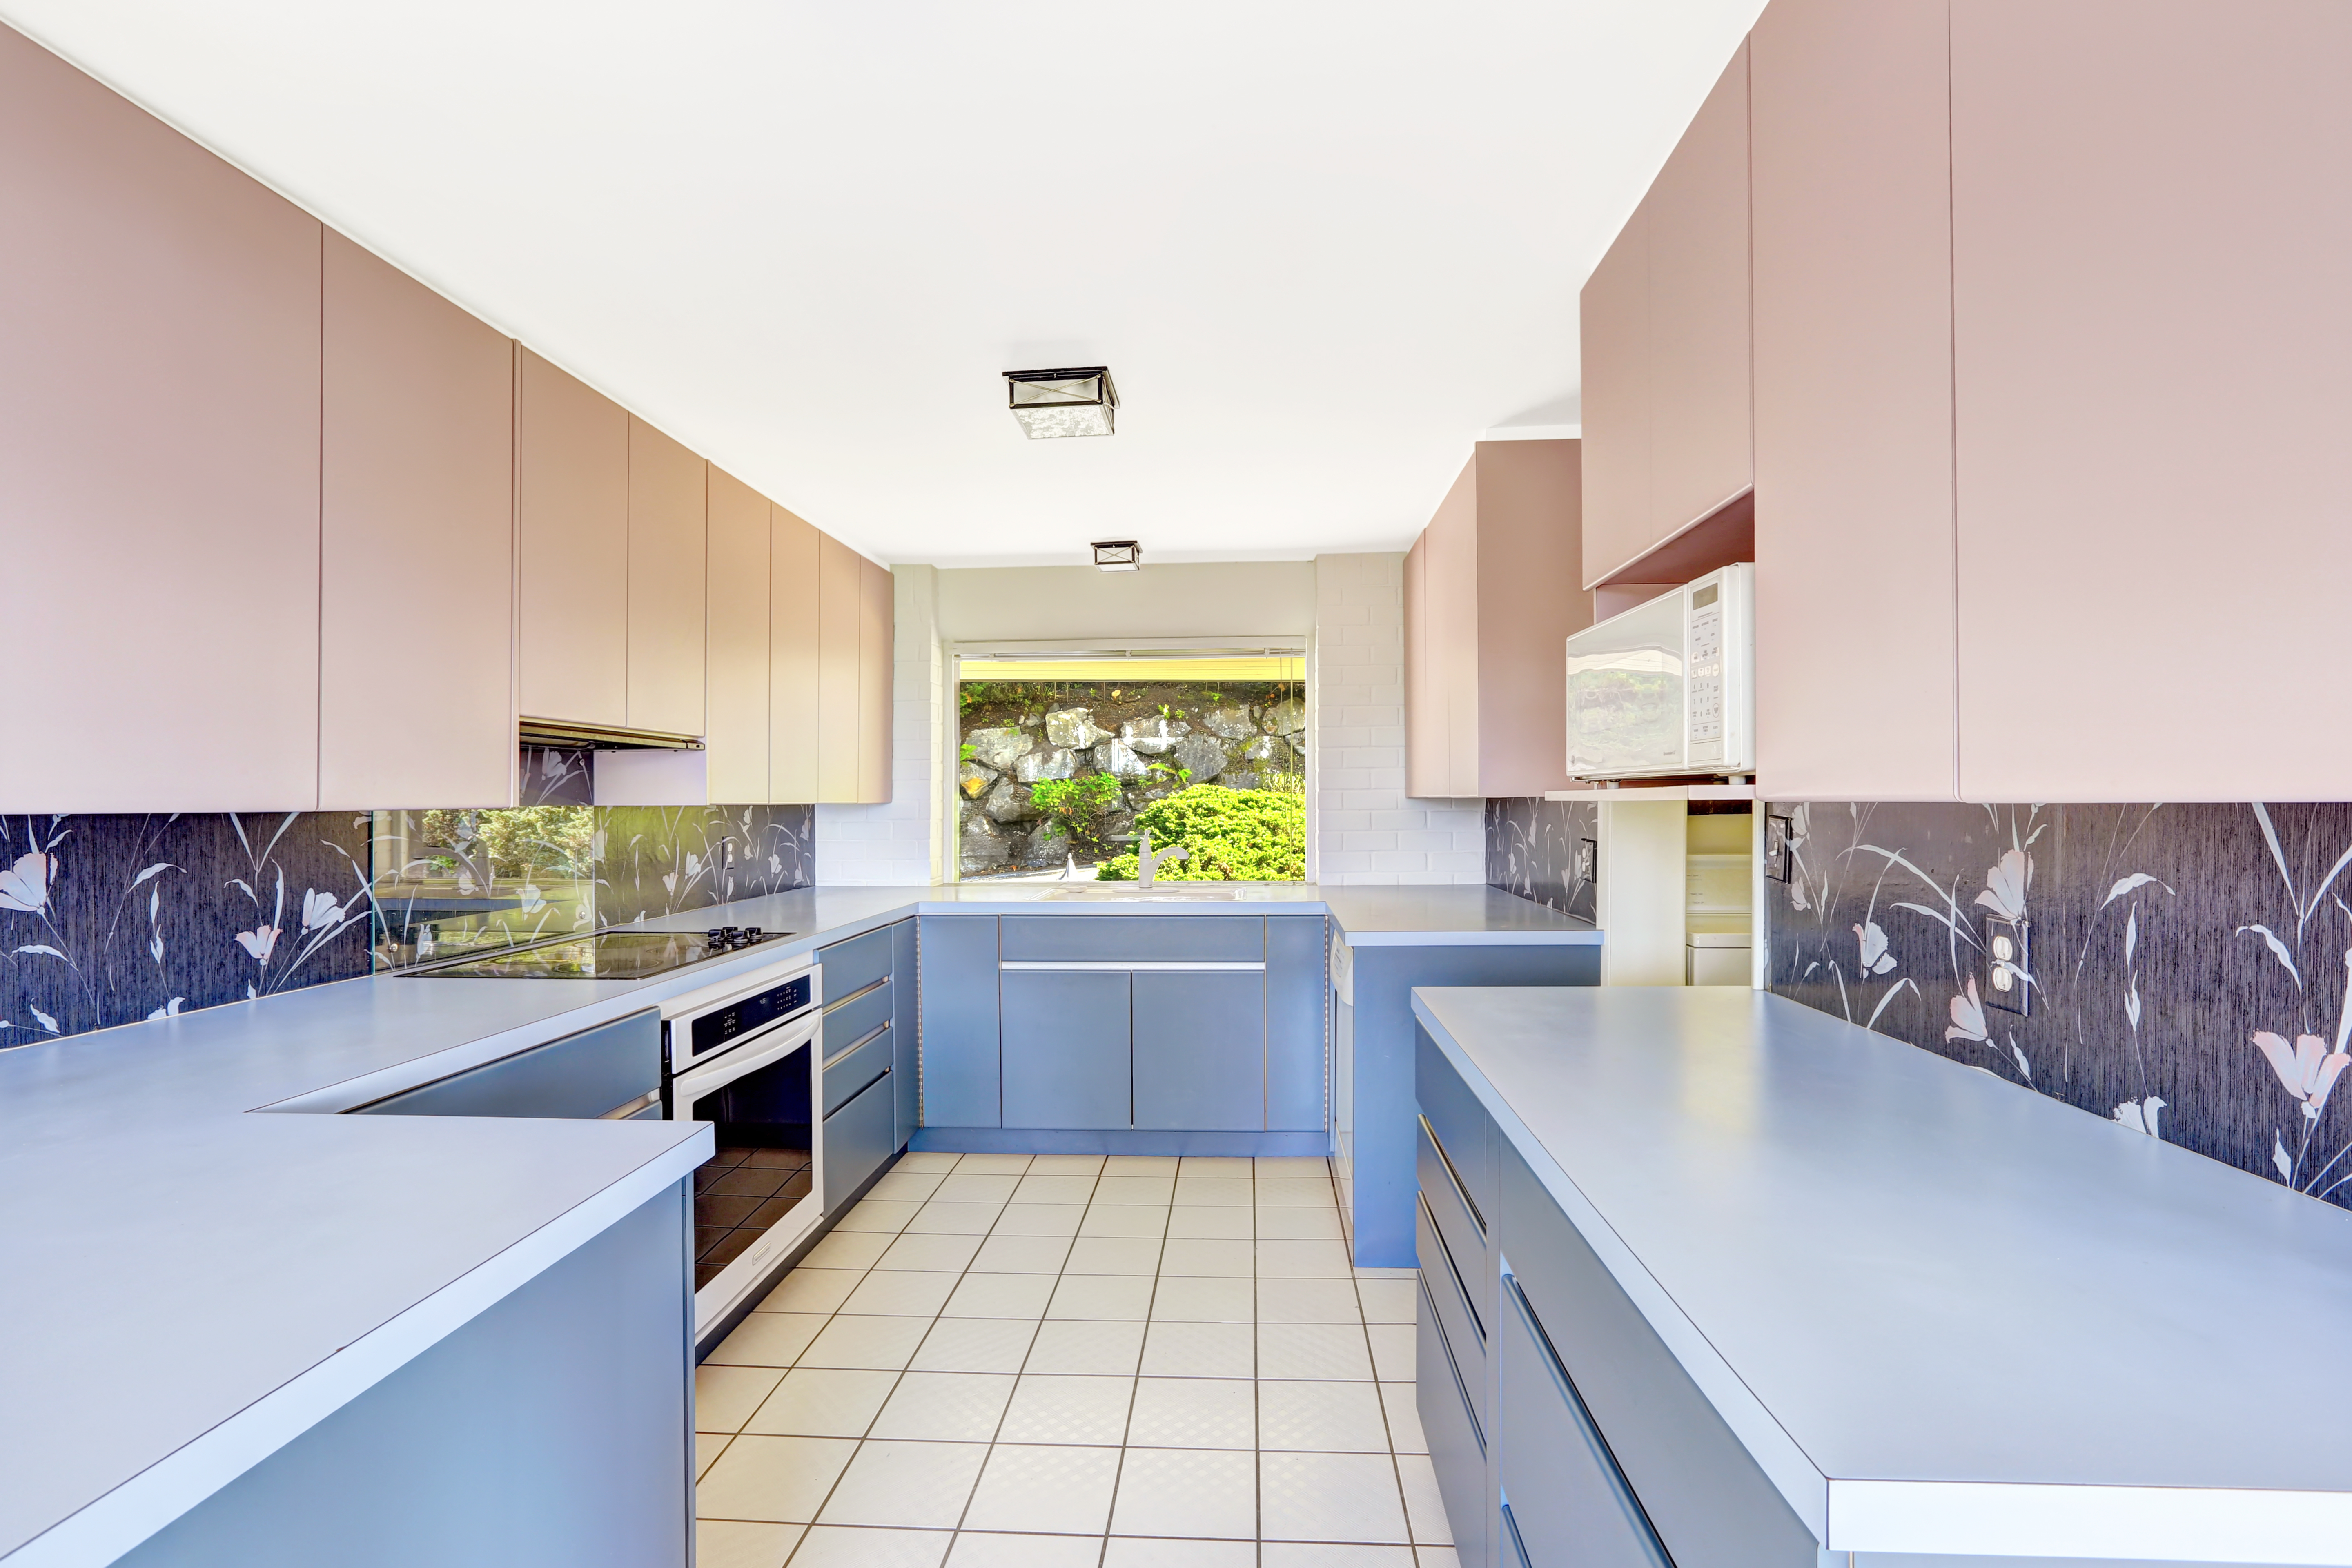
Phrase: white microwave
[1668,687]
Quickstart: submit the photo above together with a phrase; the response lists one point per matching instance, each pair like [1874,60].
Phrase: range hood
[603,737]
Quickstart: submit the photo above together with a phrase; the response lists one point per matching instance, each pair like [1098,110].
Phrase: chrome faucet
[1146,861]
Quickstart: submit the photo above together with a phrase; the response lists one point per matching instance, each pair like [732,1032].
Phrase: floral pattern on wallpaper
[109,919]
[2188,967]
[665,860]
[1544,850]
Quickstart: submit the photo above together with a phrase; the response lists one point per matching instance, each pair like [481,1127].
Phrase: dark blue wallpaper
[1544,850]
[2190,967]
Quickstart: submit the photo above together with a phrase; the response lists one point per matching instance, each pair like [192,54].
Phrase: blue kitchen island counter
[1936,1315]
[195,1278]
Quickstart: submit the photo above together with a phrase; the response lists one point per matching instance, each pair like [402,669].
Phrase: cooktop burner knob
[751,935]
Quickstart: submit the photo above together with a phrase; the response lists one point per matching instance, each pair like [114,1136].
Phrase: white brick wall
[898,844]
[1364,828]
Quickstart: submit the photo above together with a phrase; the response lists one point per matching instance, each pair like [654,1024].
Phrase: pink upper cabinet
[669,544]
[1615,309]
[571,549]
[417,500]
[738,595]
[2153,315]
[1700,415]
[1854,401]
[159,462]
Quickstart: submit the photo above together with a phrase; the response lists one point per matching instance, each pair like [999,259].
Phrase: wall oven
[744,1057]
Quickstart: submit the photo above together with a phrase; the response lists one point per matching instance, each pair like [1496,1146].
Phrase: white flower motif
[693,865]
[465,883]
[168,1010]
[46,1021]
[2139,1115]
[2307,1068]
[24,887]
[532,899]
[669,881]
[258,941]
[1968,1017]
[2005,886]
[1875,958]
[319,910]
[775,864]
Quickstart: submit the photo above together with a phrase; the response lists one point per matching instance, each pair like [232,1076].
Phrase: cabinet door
[2150,196]
[736,730]
[874,622]
[840,614]
[905,1028]
[1699,335]
[1614,313]
[794,639]
[1066,1049]
[1295,993]
[1852,239]
[416,700]
[1425,759]
[669,546]
[1200,1050]
[857,1141]
[571,549]
[159,435]
[959,1037]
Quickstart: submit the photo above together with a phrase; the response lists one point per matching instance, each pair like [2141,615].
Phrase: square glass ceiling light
[1051,404]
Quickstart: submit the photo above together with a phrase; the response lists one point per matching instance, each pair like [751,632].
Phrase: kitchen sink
[1102,894]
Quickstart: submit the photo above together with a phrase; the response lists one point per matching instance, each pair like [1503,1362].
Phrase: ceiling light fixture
[1051,404]
[1118,555]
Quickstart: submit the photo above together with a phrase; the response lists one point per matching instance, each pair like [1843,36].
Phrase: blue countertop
[186,1286]
[1945,1315]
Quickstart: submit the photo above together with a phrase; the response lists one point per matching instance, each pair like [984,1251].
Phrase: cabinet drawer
[859,1064]
[1704,1495]
[1449,1292]
[846,1023]
[1563,1500]
[1455,1220]
[581,1076]
[855,965]
[1457,1120]
[1457,1442]
[857,1140]
[1145,938]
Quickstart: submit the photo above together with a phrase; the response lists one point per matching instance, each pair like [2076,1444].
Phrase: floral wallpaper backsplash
[109,919]
[2187,969]
[1544,850]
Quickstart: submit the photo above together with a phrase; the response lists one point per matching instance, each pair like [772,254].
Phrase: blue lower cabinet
[1297,990]
[593,1073]
[1200,1050]
[904,1072]
[1065,1049]
[857,1139]
[960,1037]
[1457,1442]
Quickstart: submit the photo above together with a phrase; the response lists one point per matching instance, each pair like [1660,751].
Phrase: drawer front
[1563,1500]
[581,1076]
[1132,939]
[1442,1277]
[855,965]
[1707,1499]
[845,1075]
[1453,1217]
[1457,1446]
[857,1141]
[1456,1119]
[846,1023]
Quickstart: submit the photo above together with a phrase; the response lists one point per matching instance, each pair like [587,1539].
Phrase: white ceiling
[1322,246]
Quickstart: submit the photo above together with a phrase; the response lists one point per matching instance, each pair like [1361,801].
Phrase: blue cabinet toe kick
[1115,1141]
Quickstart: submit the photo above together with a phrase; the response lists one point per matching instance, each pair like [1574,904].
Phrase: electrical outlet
[2009,966]
[1776,847]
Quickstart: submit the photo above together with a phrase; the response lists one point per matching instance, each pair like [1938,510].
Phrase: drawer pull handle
[1125,966]
[856,1045]
[862,991]
[1454,1176]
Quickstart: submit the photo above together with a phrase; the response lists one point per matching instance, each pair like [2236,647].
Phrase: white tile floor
[1000,1361]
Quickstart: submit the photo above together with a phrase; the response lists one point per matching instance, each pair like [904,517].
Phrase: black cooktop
[607,955]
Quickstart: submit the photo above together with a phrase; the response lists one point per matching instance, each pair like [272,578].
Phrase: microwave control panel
[1704,640]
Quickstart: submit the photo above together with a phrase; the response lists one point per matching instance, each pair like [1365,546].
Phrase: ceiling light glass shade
[1051,404]
[1118,555]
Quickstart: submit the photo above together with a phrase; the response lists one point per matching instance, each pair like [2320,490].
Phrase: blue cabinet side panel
[580,1076]
[1065,1049]
[1295,990]
[960,1039]
[552,1431]
[905,1032]
[1200,1050]
[1382,1109]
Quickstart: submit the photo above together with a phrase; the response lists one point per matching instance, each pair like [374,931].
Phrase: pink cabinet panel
[571,549]
[1614,312]
[876,617]
[1700,411]
[738,591]
[159,462]
[1427,765]
[795,655]
[416,702]
[668,502]
[840,609]
[2150,228]
[1854,531]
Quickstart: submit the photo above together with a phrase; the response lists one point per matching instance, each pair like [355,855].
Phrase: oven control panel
[718,1027]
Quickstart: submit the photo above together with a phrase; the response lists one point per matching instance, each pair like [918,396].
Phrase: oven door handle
[744,1060]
